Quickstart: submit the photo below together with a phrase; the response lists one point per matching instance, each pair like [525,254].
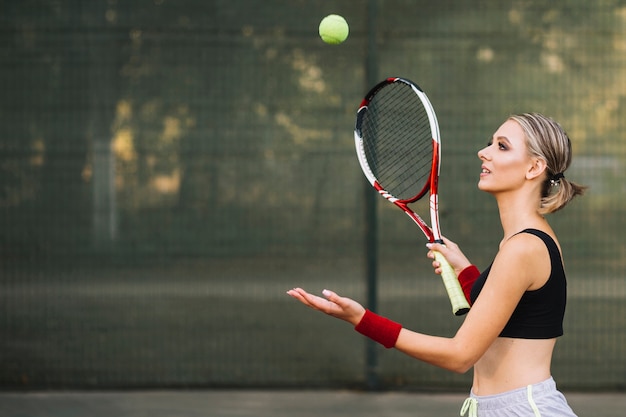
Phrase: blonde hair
[547,140]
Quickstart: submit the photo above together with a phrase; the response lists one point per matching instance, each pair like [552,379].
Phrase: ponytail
[558,193]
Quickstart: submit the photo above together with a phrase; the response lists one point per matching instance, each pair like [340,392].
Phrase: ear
[537,168]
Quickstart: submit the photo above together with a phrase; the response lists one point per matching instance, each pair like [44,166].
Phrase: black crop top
[539,313]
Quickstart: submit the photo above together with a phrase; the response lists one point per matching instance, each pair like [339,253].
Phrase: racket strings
[398,141]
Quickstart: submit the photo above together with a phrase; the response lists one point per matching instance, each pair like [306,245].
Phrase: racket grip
[460,305]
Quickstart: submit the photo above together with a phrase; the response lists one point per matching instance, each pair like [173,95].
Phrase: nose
[482,154]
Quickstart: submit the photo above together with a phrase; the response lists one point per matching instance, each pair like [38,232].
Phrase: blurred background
[168,169]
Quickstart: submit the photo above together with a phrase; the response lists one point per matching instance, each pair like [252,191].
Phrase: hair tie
[556,179]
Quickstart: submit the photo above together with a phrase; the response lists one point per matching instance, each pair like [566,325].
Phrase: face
[505,160]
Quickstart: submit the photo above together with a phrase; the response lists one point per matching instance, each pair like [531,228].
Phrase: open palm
[340,307]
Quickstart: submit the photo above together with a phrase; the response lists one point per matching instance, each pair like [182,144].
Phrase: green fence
[169,168]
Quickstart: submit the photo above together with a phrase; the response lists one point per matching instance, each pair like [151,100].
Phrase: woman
[518,303]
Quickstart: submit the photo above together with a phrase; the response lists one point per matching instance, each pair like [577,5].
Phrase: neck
[518,212]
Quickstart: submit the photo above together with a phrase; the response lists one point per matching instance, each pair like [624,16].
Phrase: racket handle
[460,305]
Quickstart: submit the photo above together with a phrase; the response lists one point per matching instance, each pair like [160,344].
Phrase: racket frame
[432,232]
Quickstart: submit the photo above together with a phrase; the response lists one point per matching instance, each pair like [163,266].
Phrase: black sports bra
[539,313]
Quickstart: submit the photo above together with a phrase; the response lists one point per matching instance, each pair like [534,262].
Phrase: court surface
[247,403]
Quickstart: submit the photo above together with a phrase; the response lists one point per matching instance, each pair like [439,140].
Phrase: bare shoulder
[527,244]
[527,259]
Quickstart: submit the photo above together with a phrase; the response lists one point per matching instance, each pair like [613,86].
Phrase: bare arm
[517,264]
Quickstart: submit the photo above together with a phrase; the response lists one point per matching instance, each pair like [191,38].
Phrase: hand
[451,252]
[340,307]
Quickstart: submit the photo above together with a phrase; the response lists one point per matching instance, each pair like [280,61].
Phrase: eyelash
[500,145]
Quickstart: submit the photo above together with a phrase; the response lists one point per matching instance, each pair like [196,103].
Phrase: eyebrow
[503,138]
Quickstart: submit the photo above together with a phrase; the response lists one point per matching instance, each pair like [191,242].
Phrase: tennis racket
[399,150]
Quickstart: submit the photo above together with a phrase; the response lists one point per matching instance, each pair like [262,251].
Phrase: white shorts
[537,400]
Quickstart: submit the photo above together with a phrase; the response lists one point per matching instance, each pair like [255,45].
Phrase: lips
[484,170]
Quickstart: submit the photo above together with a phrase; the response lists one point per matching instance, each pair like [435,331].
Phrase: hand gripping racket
[399,149]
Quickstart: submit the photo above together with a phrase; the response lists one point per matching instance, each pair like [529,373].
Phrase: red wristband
[379,329]
[467,278]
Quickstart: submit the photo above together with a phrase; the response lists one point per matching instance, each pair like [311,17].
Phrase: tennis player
[518,302]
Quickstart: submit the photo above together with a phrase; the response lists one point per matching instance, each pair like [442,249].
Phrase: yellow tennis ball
[334,29]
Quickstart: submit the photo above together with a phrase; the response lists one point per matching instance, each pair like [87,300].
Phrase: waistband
[518,395]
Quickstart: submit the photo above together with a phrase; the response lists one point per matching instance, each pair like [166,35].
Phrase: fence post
[369,204]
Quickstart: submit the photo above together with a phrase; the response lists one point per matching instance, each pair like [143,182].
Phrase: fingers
[337,305]
[333,304]
[451,251]
[448,242]
[444,249]
[436,247]
[318,303]
[304,297]
[331,296]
